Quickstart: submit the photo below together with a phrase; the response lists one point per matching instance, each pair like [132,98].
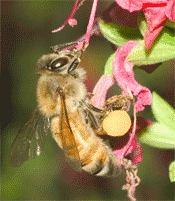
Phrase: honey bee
[64,107]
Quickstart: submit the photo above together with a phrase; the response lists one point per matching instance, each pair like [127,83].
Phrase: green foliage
[109,64]
[142,23]
[172,171]
[118,34]
[159,136]
[163,112]
[170,23]
[162,133]
[163,49]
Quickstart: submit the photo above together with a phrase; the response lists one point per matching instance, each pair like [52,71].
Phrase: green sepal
[142,23]
[162,133]
[163,49]
[170,24]
[118,34]
[172,171]
[108,70]
[158,135]
[163,112]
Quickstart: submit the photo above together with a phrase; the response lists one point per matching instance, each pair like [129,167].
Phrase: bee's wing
[30,140]
[67,138]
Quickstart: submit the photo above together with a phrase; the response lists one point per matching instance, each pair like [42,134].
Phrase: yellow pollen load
[117,123]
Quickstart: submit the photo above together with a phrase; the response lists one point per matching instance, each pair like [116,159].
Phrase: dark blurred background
[25,36]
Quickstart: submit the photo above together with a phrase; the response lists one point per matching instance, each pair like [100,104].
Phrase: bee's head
[63,62]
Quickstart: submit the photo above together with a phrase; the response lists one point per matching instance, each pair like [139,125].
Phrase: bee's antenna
[58,48]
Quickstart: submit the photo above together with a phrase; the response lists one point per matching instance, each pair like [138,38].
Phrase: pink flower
[122,70]
[70,19]
[123,74]
[134,151]
[157,12]
[127,146]
[100,90]
[73,22]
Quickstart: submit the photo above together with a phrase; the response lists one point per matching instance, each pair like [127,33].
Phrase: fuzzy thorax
[72,86]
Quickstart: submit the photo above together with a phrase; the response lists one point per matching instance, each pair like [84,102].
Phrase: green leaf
[163,49]
[172,171]
[142,23]
[109,65]
[170,23]
[162,133]
[118,34]
[163,112]
[158,135]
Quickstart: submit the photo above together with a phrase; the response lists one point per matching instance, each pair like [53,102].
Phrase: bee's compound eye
[73,66]
[59,64]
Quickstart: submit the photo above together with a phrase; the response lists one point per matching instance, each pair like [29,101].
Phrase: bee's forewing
[30,140]
[68,140]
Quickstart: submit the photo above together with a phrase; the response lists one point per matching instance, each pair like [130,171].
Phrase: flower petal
[137,153]
[123,73]
[69,18]
[170,10]
[132,150]
[131,5]
[72,22]
[100,90]
[127,145]
[156,20]
[155,17]
[91,22]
